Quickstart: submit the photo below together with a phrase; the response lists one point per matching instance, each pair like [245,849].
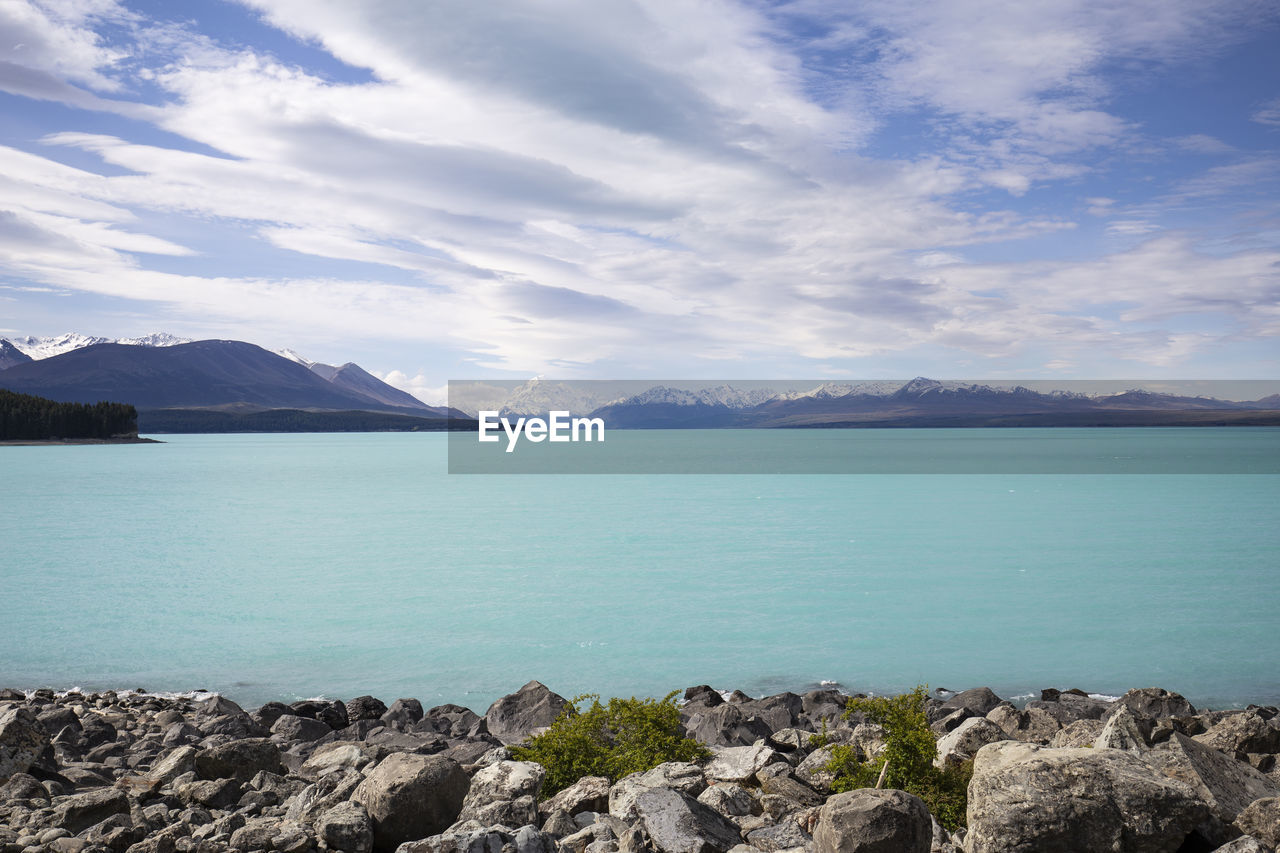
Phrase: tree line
[31,418]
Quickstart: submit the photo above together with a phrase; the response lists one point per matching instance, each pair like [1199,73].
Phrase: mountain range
[164,372]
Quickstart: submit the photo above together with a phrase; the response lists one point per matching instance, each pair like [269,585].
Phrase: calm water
[285,566]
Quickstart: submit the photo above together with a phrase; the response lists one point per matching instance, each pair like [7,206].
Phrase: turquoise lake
[288,566]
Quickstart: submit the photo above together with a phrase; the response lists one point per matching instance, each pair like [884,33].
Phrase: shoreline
[132,772]
[56,442]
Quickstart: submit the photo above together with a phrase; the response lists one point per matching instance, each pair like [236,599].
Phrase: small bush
[625,736]
[910,748]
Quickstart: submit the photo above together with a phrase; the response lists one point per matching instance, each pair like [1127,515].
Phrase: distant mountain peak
[38,348]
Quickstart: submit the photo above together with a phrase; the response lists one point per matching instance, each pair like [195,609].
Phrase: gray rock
[559,824]
[294,728]
[336,756]
[78,812]
[529,839]
[1122,730]
[411,796]
[21,787]
[677,823]
[1227,786]
[345,827]
[726,725]
[786,835]
[777,780]
[873,821]
[1032,725]
[330,712]
[1078,733]
[729,799]
[979,700]
[1243,733]
[1152,703]
[367,708]
[520,811]
[813,770]
[239,759]
[588,794]
[739,763]
[528,711]
[963,742]
[212,793]
[1261,819]
[677,775]
[327,792]
[1028,797]
[22,739]
[403,714]
[1069,707]
[1244,844]
[504,780]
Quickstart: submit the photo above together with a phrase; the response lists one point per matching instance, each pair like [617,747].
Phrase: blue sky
[673,188]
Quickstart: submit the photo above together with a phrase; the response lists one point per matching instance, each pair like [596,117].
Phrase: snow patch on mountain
[47,347]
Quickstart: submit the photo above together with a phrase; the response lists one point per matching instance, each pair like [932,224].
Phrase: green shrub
[910,748]
[613,740]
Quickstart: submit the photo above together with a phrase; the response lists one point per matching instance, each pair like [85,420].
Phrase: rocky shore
[136,773]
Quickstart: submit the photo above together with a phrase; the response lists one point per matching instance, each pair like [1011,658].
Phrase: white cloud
[1268,113]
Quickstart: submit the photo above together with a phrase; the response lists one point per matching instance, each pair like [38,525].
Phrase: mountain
[538,397]
[11,355]
[199,375]
[39,348]
[919,402]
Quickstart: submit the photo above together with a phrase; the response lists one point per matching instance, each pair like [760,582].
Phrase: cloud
[1268,113]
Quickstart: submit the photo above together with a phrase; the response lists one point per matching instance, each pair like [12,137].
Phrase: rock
[786,835]
[979,700]
[739,763]
[1152,703]
[942,725]
[331,713]
[777,780]
[78,812]
[726,725]
[267,715]
[1028,797]
[588,794]
[1227,786]
[365,708]
[528,711]
[239,759]
[346,827]
[777,712]
[294,728]
[212,793]
[451,720]
[677,823]
[1243,844]
[22,739]
[813,770]
[22,786]
[676,775]
[819,706]
[729,799]
[1070,706]
[873,821]
[1032,725]
[336,756]
[411,796]
[1078,733]
[403,714]
[506,780]
[961,744]
[1243,733]
[529,840]
[327,792]
[1261,819]
[1123,730]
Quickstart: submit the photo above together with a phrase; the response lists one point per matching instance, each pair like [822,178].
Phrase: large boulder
[367,708]
[410,797]
[1069,706]
[22,739]
[1123,730]
[1032,725]
[528,711]
[739,763]
[677,775]
[726,725]
[962,743]
[873,821]
[1154,703]
[980,700]
[1029,797]
[588,794]
[1227,786]
[505,793]
[239,759]
[1261,819]
[1243,733]
[78,812]
[346,827]
[291,727]
[677,823]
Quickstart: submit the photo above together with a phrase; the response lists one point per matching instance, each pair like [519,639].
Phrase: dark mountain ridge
[203,374]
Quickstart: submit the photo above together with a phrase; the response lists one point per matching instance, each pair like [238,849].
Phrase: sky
[446,189]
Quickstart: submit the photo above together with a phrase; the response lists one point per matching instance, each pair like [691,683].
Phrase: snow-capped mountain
[537,397]
[38,348]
